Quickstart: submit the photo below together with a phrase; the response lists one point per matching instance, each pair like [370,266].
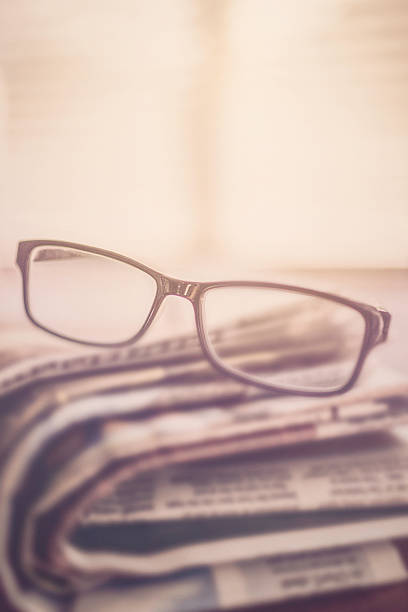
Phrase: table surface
[388,288]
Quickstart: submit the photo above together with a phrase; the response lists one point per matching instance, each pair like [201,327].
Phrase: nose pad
[174,318]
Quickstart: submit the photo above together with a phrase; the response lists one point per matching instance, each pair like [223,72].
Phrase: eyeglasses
[278,337]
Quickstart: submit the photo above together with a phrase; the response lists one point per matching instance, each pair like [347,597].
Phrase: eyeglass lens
[88,297]
[283,338]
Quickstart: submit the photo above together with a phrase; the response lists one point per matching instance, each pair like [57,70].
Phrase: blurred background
[260,131]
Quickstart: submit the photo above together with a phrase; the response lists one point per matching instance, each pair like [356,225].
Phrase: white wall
[163,129]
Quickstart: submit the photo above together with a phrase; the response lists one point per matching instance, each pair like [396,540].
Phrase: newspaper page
[26,360]
[356,473]
[324,496]
[77,426]
[344,511]
[249,583]
[93,426]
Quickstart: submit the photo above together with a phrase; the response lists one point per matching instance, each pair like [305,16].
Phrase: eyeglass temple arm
[383,320]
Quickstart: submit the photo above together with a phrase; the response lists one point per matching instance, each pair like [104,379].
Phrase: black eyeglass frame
[377,320]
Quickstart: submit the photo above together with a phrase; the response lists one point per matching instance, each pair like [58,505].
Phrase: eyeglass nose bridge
[180,288]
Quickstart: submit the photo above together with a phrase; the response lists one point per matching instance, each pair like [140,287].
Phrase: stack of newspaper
[142,477]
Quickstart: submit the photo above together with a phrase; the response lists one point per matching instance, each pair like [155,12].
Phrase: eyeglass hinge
[385,324]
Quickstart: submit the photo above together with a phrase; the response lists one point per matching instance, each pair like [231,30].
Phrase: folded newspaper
[142,475]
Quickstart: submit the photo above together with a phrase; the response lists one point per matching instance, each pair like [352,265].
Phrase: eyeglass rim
[376,319]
